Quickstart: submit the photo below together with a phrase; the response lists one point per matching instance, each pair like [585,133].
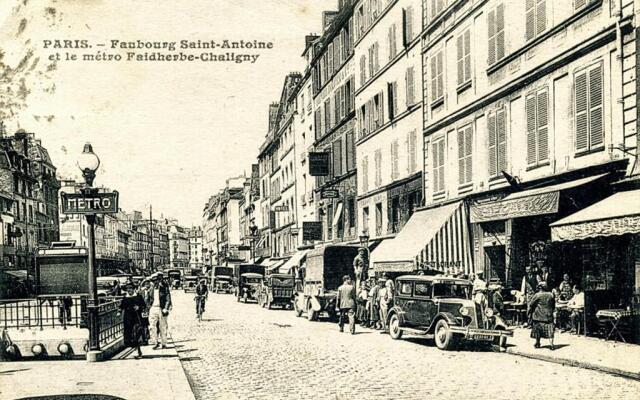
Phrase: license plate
[482,337]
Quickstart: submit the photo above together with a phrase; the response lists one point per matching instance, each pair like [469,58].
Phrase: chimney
[327,19]
[273,111]
[309,39]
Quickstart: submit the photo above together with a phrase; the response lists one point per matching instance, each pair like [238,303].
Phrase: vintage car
[189,283]
[276,289]
[442,308]
[248,286]
[174,276]
[221,279]
[321,278]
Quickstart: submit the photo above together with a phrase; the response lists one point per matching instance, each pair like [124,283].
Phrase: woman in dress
[541,309]
[132,306]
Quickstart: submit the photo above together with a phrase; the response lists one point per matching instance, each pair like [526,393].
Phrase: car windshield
[276,281]
[253,280]
[451,290]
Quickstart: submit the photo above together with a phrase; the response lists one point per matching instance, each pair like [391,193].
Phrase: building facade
[196,260]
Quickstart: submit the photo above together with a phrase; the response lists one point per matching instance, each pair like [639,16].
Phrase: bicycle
[199,306]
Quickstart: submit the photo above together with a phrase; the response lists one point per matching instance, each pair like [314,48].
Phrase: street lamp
[88,162]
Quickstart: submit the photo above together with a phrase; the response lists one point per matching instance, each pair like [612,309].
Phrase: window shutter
[381,108]
[500,49]
[468,150]
[579,4]
[501,129]
[395,98]
[581,114]
[541,16]
[543,125]
[409,23]
[530,15]
[467,55]
[492,129]
[434,79]
[390,38]
[491,22]
[440,75]
[436,166]
[365,174]
[461,156]
[460,58]
[530,107]
[596,131]
[376,47]
[409,78]
[405,33]
[434,10]
[363,69]
[441,160]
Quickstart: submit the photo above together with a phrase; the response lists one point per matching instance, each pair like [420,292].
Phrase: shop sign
[312,230]
[329,194]
[281,208]
[546,203]
[319,163]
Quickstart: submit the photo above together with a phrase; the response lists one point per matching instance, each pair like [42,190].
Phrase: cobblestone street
[244,351]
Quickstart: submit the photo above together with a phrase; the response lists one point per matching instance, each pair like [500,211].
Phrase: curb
[577,364]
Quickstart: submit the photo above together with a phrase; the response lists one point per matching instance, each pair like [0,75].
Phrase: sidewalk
[580,351]
[159,375]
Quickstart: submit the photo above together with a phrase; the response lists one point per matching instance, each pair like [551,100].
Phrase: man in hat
[160,306]
[202,292]
[346,304]
[360,266]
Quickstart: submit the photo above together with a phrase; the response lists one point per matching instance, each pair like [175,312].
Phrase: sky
[167,133]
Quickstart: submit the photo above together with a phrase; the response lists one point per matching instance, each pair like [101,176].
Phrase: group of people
[550,307]
[145,310]
[368,303]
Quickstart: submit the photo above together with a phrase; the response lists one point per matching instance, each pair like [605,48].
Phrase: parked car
[248,286]
[189,283]
[239,283]
[321,278]
[276,289]
[442,308]
[221,279]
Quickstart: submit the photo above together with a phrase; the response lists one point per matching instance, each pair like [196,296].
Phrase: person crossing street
[202,292]
[160,306]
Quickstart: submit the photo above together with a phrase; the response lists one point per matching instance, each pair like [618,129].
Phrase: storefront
[511,229]
[433,240]
[601,245]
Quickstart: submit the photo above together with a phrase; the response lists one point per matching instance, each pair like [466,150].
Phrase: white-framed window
[438,152]
[463,48]
[589,110]
[465,157]
[495,22]
[437,77]
[537,114]
[497,129]
[535,18]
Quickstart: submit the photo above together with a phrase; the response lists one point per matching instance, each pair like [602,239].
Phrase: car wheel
[312,315]
[444,338]
[394,327]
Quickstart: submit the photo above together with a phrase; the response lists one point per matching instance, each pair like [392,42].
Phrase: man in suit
[159,311]
[346,304]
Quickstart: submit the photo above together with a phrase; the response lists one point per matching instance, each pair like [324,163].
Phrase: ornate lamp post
[88,162]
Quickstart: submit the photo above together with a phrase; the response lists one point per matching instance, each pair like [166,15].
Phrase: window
[363,69]
[318,123]
[327,115]
[365,174]
[463,46]
[405,288]
[407,26]
[349,98]
[496,34]
[497,142]
[412,152]
[365,219]
[465,147]
[330,59]
[536,18]
[423,289]
[437,78]
[578,4]
[394,160]
[392,41]
[438,166]
[337,157]
[537,112]
[377,109]
[378,166]
[411,86]
[351,210]
[588,92]
[392,97]
[350,151]
[378,219]
[395,214]
[437,6]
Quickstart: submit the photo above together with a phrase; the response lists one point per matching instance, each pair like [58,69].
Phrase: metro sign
[89,203]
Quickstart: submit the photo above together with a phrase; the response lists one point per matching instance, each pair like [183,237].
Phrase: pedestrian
[132,306]
[146,292]
[64,308]
[383,305]
[160,306]
[372,302]
[346,303]
[363,311]
[202,293]
[529,284]
[540,313]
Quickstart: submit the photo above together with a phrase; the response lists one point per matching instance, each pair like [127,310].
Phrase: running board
[418,332]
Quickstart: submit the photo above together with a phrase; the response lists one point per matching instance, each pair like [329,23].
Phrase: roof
[251,275]
[434,278]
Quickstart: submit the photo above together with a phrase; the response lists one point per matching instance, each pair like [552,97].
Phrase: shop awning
[268,262]
[337,215]
[436,238]
[294,261]
[276,265]
[527,203]
[618,214]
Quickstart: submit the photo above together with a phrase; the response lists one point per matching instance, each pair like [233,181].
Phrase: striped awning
[433,239]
